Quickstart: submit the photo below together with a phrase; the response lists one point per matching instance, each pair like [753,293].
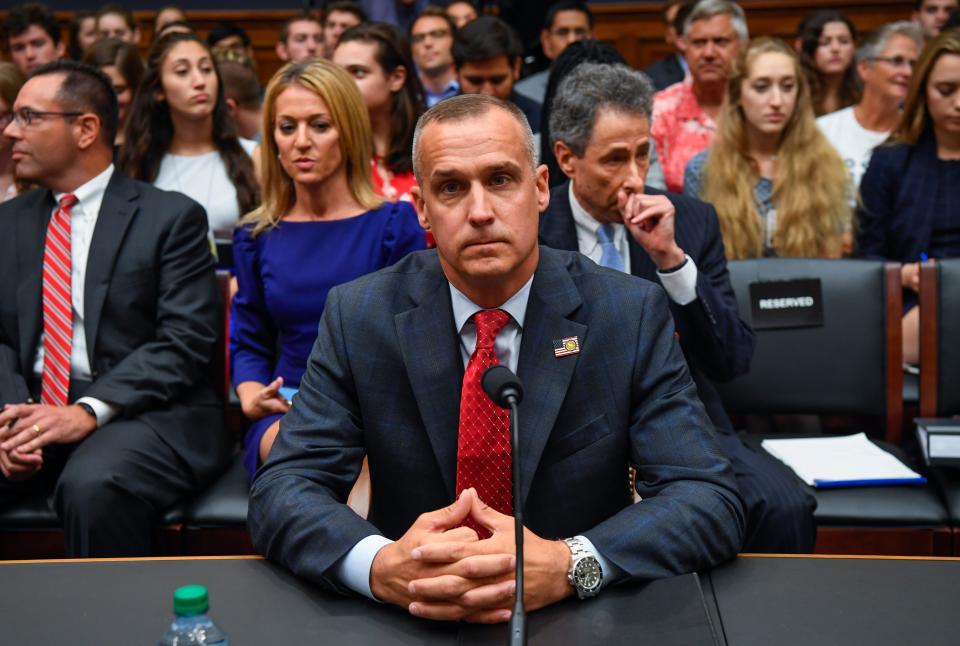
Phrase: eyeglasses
[436,34]
[896,61]
[25,116]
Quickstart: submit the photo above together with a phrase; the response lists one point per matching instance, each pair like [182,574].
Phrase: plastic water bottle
[192,627]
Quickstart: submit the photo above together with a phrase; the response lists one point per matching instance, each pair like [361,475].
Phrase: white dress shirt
[680,285]
[83,220]
[353,570]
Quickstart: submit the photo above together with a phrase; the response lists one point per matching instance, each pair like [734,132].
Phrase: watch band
[583,558]
[88,408]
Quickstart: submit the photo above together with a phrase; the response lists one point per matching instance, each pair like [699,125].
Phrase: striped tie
[57,306]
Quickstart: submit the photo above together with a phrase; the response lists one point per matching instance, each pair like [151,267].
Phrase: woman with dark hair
[826,42]
[82,32]
[121,62]
[11,80]
[378,57]
[321,224]
[910,209]
[582,51]
[180,136]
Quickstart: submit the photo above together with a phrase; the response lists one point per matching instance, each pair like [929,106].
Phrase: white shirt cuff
[353,570]
[681,285]
[104,411]
[611,573]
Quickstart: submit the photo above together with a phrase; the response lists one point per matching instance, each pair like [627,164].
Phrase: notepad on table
[846,461]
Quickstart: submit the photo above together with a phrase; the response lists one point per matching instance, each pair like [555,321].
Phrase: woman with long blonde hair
[910,206]
[320,224]
[778,185]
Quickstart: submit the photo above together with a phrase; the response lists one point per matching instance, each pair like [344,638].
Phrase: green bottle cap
[190,600]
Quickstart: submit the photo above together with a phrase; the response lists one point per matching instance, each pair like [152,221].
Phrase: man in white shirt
[885,62]
[599,125]
[108,321]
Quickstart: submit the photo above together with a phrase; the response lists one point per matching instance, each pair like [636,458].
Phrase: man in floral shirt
[684,114]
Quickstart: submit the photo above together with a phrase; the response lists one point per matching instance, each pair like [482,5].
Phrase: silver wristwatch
[585,575]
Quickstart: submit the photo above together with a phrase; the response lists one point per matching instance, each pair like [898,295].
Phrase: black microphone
[506,391]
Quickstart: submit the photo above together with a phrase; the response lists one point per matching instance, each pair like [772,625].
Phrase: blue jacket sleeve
[253,333]
[403,233]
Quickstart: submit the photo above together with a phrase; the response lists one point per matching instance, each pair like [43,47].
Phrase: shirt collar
[464,308]
[586,222]
[91,192]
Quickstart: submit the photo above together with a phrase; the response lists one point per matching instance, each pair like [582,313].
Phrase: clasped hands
[440,569]
[26,428]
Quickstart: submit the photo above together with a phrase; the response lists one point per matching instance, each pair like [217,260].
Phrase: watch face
[588,573]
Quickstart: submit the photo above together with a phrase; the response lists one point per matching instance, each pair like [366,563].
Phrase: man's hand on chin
[474,586]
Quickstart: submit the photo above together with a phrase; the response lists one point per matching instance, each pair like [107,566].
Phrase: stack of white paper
[847,461]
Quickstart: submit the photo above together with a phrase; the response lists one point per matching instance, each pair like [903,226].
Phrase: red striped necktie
[483,446]
[57,306]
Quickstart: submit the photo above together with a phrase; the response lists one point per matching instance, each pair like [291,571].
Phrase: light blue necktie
[610,255]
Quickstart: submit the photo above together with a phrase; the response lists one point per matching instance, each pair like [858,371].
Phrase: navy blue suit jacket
[665,72]
[897,201]
[384,380]
[717,344]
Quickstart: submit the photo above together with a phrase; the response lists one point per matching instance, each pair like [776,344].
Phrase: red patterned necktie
[57,306]
[483,446]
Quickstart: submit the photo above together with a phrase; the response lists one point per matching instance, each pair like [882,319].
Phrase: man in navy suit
[602,116]
[606,389]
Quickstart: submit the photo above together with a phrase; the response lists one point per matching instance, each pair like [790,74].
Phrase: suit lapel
[430,347]
[31,233]
[553,297]
[116,213]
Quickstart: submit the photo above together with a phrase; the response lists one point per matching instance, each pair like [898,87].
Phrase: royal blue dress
[283,276]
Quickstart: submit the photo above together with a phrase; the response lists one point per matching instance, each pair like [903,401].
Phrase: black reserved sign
[786,303]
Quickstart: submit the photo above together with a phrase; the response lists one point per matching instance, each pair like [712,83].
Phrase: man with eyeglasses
[885,62]
[431,43]
[565,22]
[108,323]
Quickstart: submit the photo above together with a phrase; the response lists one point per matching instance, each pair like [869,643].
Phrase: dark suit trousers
[109,489]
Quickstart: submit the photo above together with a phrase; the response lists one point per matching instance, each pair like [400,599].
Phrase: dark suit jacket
[897,201]
[151,311]
[384,380]
[717,344]
[665,72]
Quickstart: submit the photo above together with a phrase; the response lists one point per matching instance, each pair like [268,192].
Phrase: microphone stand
[518,621]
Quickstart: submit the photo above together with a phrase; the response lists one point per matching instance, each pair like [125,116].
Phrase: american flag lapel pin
[563,347]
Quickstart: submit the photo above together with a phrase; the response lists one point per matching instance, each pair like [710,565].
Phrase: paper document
[847,461]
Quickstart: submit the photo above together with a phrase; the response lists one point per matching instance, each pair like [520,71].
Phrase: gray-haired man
[599,124]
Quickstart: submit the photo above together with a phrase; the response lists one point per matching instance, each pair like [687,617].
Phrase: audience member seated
[33,36]
[909,209]
[673,68]
[11,80]
[116,21]
[487,54]
[338,17]
[684,115]
[582,51]
[167,15]
[300,38]
[180,136]
[389,381]
[565,22]
[229,35]
[121,62]
[932,15]
[826,42]
[885,62]
[377,56]
[176,27]
[127,422]
[321,224]
[599,125]
[778,185]
[241,92]
[82,33]
[461,12]
[431,43]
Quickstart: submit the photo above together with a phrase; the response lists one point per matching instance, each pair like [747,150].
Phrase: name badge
[786,304]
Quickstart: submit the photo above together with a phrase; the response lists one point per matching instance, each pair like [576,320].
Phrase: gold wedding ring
[37,431]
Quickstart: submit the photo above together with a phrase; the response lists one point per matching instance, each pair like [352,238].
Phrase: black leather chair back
[838,368]
[940,321]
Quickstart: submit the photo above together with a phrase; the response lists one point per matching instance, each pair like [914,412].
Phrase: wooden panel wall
[635,28]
